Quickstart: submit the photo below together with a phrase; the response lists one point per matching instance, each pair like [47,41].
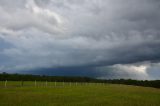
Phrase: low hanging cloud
[127,71]
[37,34]
[141,71]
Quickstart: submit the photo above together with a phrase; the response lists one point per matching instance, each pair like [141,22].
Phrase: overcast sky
[99,38]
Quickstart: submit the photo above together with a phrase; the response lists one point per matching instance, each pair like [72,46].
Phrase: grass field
[76,94]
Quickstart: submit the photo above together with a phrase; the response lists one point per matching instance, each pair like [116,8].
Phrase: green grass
[76,95]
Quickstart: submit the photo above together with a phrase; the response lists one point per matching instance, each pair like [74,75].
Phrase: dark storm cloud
[148,51]
[85,33]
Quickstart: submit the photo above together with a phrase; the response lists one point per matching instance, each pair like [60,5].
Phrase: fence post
[46,83]
[5,84]
[63,83]
[22,83]
[55,83]
[35,83]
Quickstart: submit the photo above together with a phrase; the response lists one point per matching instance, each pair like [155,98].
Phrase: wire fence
[7,84]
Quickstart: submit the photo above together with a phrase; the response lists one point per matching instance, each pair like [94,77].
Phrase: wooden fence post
[46,83]
[63,83]
[55,83]
[22,83]
[35,83]
[5,84]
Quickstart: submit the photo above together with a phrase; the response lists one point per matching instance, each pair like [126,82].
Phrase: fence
[7,84]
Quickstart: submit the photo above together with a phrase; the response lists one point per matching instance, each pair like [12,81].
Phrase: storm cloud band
[37,34]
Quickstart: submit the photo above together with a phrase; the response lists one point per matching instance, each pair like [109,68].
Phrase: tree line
[21,77]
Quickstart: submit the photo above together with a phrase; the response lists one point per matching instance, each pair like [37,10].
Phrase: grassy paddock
[76,94]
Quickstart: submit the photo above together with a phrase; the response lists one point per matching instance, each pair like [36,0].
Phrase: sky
[106,39]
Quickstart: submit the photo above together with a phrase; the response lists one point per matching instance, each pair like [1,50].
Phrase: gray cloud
[66,33]
[142,71]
